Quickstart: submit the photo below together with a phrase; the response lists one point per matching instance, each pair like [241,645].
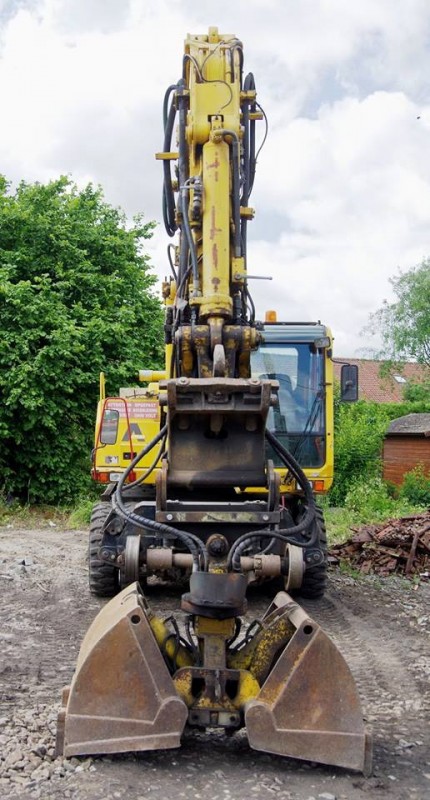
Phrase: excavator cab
[212,471]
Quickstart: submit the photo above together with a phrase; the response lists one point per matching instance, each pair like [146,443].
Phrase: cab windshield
[298,421]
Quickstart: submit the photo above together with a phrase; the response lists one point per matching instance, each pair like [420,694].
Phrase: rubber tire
[315,579]
[103,577]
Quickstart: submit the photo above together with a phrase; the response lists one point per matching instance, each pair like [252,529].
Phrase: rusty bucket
[308,707]
[122,696]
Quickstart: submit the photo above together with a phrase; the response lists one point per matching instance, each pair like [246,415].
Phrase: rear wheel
[103,577]
[315,578]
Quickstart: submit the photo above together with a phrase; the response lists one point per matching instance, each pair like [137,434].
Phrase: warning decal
[148,410]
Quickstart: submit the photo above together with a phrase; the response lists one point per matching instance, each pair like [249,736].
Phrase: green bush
[370,498]
[358,441]
[416,487]
[75,299]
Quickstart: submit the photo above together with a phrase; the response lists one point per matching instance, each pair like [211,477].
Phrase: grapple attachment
[286,682]
[308,707]
[121,697]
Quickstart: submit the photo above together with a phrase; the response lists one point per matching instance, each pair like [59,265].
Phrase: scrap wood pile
[399,546]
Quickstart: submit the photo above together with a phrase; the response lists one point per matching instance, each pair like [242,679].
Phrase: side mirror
[349,383]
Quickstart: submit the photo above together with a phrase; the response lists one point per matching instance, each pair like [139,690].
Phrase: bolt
[169,517]
[112,556]
[265,517]
[105,554]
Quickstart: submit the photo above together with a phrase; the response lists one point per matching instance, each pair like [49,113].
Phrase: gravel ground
[381,626]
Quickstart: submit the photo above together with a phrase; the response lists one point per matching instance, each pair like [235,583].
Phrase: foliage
[416,487]
[370,498]
[359,432]
[405,323]
[75,299]
[416,392]
[81,515]
[365,503]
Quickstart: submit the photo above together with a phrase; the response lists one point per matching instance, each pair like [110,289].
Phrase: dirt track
[381,626]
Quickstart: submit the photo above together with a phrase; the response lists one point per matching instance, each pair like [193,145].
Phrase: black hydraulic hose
[168,92]
[150,469]
[247,540]
[191,542]
[249,85]
[168,196]
[183,170]
[170,259]
[189,237]
[294,467]
[287,535]
[248,141]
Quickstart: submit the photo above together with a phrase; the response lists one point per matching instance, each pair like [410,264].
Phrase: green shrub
[75,299]
[369,497]
[416,487]
[358,439]
[81,515]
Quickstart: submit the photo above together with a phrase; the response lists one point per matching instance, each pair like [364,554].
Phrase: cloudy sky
[342,190]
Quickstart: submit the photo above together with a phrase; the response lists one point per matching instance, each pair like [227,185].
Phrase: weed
[345,568]
[416,487]
[81,514]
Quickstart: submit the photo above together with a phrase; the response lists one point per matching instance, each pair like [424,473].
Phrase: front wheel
[103,577]
[314,580]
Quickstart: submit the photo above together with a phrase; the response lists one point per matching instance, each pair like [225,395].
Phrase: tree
[75,299]
[405,323]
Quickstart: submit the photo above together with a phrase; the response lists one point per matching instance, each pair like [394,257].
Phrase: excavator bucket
[121,697]
[296,695]
[308,707]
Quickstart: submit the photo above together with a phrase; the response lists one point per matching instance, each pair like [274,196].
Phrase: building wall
[401,454]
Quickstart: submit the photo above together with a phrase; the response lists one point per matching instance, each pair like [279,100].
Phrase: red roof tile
[381,389]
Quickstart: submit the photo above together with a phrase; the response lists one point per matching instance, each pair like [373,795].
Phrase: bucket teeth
[122,696]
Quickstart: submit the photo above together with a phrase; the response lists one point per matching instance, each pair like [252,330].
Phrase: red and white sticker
[149,410]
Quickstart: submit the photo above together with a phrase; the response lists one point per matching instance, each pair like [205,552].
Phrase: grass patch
[81,514]
[27,516]
[340,520]
[20,515]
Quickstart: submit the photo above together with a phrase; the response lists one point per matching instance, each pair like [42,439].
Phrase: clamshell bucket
[308,707]
[122,696]
[295,693]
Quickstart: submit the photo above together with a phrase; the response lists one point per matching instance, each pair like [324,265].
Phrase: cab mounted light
[321,343]
[271,316]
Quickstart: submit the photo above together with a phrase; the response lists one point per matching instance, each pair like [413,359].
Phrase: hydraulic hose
[287,535]
[248,539]
[189,237]
[168,196]
[191,542]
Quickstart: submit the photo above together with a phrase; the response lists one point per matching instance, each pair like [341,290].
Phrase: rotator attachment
[137,683]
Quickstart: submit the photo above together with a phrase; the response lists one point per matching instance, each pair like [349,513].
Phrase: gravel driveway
[381,626]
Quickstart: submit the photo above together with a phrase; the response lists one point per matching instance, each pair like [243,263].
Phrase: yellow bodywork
[143,423]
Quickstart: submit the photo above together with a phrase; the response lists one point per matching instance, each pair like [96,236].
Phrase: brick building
[387,389]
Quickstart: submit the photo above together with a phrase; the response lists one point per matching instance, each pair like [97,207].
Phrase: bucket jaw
[122,696]
[308,706]
[137,684]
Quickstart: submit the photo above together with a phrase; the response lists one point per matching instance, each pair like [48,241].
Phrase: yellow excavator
[212,470]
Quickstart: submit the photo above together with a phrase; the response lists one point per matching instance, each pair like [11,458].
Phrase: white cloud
[343,184]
